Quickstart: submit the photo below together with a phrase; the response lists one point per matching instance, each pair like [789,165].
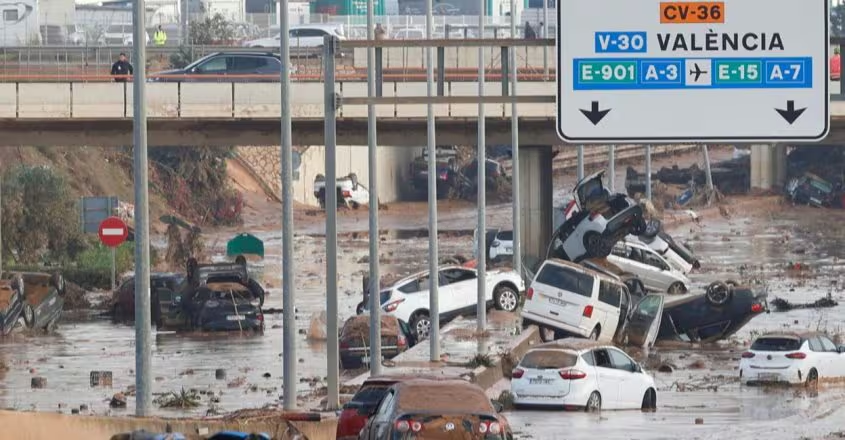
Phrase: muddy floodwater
[703,384]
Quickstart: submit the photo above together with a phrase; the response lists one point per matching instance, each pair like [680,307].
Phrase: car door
[835,361]
[609,379]
[644,321]
[312,37]
[461,287]
[631,389]
[250,66]
[213,70]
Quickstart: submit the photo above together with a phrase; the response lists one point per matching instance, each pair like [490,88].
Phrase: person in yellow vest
[160,37]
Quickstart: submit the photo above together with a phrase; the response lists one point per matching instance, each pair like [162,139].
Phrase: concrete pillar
[779,163]
[536,188]
[762,171]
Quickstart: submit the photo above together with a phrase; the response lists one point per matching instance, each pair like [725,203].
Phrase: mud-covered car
[396,337]
[810,189]
[596,221]
[11,304]
[43,298]
[218,297]
[721,311]
[436,409]
[163,288]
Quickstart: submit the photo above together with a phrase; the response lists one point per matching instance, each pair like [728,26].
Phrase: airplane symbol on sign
[697,72]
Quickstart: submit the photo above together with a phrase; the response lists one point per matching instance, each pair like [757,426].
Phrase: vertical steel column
[611,167]
[515,184]
[648,172]
[143,361]
[288,264]
[332,362]
[546,35]
[481,162]
[708,175]
[580,169]
[372,150]
[433,248]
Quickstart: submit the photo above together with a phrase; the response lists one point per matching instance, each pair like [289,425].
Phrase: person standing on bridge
[530,34]
[160,37]
[121,69]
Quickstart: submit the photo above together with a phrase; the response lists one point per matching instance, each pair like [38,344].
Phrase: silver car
[652,268]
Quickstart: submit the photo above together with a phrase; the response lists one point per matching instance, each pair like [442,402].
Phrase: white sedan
[408,299]
[579,373]
[793,358]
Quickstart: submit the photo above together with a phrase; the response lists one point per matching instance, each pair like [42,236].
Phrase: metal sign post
[288,262]
[666,71]
[372,151]
[481,174]
[517,206]
[331,100]
[433,249]
[143,362]
[648,172]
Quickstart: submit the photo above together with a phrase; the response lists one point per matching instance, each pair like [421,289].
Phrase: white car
[675,253]
[581,374]
[650,267]
[127,41]
[350,193]
[793,358]
[499,244]
[566,299]
[408,299]
[307,35]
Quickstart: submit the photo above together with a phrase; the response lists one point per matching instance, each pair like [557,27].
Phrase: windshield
[776,344]
[548,359]
[368,396]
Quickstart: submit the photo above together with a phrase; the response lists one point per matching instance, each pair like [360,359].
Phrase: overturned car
[42,298]
[11,304]
[219,297]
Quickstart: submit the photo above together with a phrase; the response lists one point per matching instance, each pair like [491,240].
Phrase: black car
[812,190]
[242,66]
[219,297]
[163,288]
[11,304]
[43,300]
[717,314]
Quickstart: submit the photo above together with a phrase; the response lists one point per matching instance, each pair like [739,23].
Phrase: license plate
[768,376]
[236,317]
[557,301]
[539,381]
[366,359]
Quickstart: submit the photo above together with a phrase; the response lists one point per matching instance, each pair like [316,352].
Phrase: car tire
[359,309]
[812,379]
[505,298]
[718,293]
[595,245]
[594,335]
[421,325]
[650,400]
[28,315]
[677,288]
[593,403]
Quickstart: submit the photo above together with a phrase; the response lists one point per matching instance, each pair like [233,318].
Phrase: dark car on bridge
[244,66]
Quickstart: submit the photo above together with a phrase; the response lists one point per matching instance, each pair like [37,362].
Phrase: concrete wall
[536,200]
[392,178]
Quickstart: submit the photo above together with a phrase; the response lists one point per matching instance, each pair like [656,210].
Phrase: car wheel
[812,379]
[593,403]
[718,293]
[547,334]
[359,309]
[28,316]
[595,245]
[594,335]
[505,298]
[677,288]
[421,325]
[650,400]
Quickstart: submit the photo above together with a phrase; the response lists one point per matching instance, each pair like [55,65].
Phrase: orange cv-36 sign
[692,12]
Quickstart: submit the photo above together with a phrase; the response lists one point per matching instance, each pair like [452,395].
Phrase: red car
[356,412]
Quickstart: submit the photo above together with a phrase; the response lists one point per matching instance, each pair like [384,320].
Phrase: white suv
[567,299]
[650,267]
[408,299]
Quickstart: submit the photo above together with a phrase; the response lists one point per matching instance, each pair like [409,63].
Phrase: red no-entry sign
[113,231]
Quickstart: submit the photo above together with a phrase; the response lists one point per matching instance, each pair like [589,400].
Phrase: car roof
[318,26]
[796,335]
[585,270]
[442,396]
[573,344]
[425,272]
[243,53]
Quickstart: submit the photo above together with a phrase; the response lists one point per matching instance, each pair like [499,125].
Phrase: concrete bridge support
[536,200]
[768,166]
